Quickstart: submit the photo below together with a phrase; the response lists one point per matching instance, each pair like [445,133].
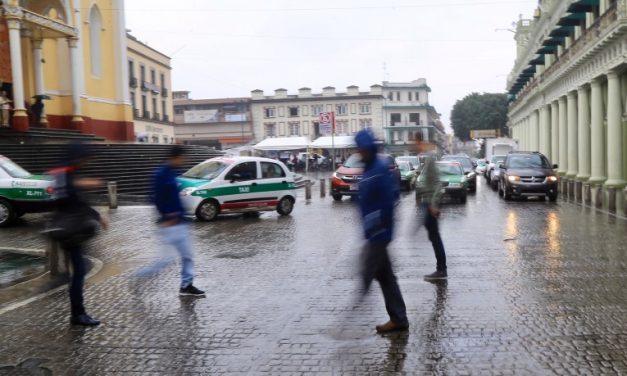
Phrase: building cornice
[316,98]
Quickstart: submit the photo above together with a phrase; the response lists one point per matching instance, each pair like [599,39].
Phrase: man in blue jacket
[376,203]
[173,229]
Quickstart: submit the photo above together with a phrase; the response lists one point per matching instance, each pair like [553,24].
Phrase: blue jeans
[173,237]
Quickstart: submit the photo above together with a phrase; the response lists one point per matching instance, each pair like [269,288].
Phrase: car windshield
[354,161]
[498,160]
[465,162]
[404,166]
[527,161]
[449,169]
[209,170]
[413,160]
[13,170]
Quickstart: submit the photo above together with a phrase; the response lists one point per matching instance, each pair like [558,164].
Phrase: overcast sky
[226,48]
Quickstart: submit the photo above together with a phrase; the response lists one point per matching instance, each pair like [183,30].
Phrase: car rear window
[464,161]
[449,169]
[354,161]
[209,170]
[13,170]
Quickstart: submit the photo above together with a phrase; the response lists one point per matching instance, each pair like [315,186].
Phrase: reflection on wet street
[534,288]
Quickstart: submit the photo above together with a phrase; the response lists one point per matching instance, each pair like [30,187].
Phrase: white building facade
[407,112]
[284,115]
[569,96]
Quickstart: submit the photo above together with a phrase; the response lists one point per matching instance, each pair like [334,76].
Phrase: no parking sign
[327,123]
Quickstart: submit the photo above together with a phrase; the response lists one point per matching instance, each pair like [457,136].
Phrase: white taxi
[21,192]
[237,185]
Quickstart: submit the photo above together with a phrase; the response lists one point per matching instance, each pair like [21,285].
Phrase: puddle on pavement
[237,255]
[16,267]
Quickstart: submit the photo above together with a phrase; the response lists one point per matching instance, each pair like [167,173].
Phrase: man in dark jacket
[173,229]
[376,203]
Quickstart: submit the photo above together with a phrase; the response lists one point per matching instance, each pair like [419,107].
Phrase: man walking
[173,230]
[430,193]
[376,202]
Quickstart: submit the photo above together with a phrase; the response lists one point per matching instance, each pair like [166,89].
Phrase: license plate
[354,187]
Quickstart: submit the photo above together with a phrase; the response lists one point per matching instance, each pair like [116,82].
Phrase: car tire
[337,197]
[552,197]
[506,195]
[208,210]
[494,186]
[7,213]
[285,206]
[473,188]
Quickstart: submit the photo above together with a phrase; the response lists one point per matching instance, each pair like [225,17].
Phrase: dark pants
[75,254]
[376,265]
[431,224]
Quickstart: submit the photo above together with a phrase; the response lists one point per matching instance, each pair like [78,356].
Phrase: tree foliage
[479,111]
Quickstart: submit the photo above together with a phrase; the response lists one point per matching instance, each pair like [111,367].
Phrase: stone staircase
[129,165]
[45,136]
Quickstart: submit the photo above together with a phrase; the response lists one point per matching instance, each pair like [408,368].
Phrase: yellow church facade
[72,53]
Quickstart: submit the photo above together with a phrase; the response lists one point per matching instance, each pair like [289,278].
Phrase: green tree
[479,111]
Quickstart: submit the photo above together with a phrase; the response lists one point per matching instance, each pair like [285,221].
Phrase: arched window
[95,37]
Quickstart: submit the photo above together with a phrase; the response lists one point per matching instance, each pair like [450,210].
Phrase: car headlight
[513,178]
[188,191]
[337,175]
[551,178]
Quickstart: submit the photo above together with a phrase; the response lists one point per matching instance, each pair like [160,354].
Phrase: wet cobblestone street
[534,288]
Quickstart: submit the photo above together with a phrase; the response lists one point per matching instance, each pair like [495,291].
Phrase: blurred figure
[376,202]
[75,222]
[38,110]
[173,230]
[430,207]
[5,109]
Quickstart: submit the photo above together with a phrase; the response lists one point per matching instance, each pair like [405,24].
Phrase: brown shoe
[391,326]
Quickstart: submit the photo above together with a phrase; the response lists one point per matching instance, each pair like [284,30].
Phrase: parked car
[526,174]
[454,181]
[408,175]
[237,185]
[469,169]
[414,160]
[22,192]
[345,180]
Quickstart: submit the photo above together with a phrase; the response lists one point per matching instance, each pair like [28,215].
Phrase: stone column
[20,118]
[77,119]
[572,135]
[583,126]
[554,132]
[614,132]
[39,74]
[534,131]
[563,134]
[545,131]
[597,133]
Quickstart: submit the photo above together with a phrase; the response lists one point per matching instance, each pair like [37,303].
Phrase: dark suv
[469,169]
[526,174]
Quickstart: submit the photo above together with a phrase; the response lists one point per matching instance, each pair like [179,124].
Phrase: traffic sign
[327,123]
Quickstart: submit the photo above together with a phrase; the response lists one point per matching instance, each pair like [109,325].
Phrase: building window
[341,109]
[269,112]
[144,105]
[316,109]
[133,104]
[364,108]
[293,111]
[153,77]
[155,109]
[95,39]
[294,128]
[398,96]
[418,96]
[409,96]
[365,123]
[162,77]
[178,111]
[164,110]
[353,108]
[142,73]
[414,117]
[395,119]
[391,96]
[131,69]
[341,128]
[269,129]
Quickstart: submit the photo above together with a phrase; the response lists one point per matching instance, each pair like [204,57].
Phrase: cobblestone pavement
[534,288]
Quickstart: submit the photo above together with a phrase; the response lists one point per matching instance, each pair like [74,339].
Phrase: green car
[408,175]
[22,192]
[453,181]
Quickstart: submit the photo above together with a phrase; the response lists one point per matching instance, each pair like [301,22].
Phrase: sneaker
[438,274]
[191,290]
[391,326]
[84,320]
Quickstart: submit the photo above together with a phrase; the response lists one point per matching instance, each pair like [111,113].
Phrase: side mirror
[501,165]
[554,166]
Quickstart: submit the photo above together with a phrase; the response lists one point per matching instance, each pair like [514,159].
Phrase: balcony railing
[146,115]
[166,119]
[136,113]
[156,117]
[146,86]
[164,92]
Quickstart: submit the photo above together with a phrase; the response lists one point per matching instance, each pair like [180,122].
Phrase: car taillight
[49,190]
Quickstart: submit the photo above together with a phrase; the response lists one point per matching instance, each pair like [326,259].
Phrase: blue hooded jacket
[376,194]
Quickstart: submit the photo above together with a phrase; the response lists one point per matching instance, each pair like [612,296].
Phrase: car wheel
[7,213]
[285,206]
[552,197]
[337,197]
[494,186]
[473,188]
[208,210]
[506,195]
